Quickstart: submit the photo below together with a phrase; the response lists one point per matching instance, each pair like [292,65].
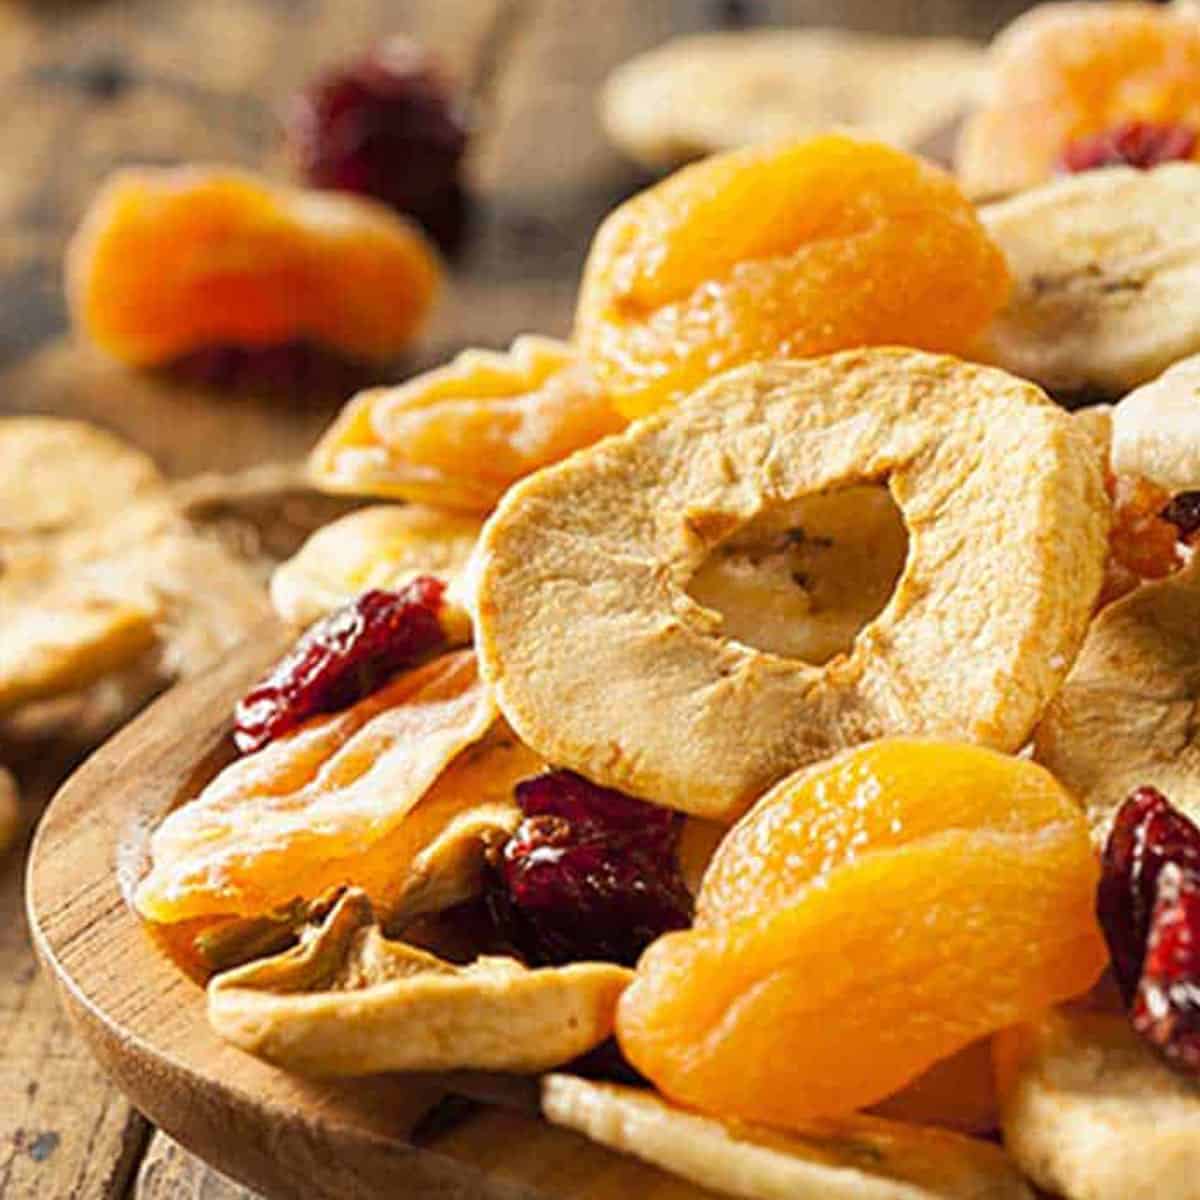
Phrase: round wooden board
[144,1019]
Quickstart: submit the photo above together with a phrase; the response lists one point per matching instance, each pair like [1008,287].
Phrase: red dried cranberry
[1183,512]
[1141,144]
[590,874]
[385,126]
[341,659]
[1166,1011]
[1147,835]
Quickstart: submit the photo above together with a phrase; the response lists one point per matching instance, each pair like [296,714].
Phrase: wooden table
[89,84]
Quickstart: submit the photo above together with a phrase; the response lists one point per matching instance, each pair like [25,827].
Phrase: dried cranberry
[590,874]
[341,659]
[385,126]
[295,371]
[1183,512]
[1166,1011]
[1147,835]
[1141,144]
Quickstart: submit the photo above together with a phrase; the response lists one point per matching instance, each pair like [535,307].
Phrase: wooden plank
[169,1172]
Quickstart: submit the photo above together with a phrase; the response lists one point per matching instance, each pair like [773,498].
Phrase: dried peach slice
[854,965]
[1064,72]
[303,814]
[603,663]
[783,251]
[458,436]
[385,546]
[171,260]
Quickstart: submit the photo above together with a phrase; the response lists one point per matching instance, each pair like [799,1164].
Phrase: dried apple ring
[171,260]
[458,436]
[603,663]
[783,251]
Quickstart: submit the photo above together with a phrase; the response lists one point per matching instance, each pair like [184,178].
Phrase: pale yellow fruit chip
[384,546]
[293,819]
[348,1001]
[1090,1113]
[854,1158]
[457,437]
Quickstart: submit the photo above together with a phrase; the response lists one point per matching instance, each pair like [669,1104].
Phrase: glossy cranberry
[590,874]
[341,659]
[1183,512]
[1166,1010]
[1147,834]
[1141,144]
[386,126]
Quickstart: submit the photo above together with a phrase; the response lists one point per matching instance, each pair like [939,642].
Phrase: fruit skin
[845,971]
[169,261]
[783,251]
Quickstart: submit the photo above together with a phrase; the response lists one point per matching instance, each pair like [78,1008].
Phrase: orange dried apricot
[868,918]
[1066,74]
[172,260]
[783,251]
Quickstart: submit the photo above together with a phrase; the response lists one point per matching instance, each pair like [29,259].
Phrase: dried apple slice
[855,1158]
[603,663]
[1156,429]
[303,814]
[347,1001]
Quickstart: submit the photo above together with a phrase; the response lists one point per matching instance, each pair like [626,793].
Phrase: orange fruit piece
[870,917]
[783,251]
[172,260]
[1063,72]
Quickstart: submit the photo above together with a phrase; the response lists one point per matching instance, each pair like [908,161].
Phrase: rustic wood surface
[89,84]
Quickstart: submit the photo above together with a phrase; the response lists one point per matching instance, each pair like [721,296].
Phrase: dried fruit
[1141,539]
[341,659]
[598,554]
[1156,429]
[1076,82]
[589,874]
[388,126]
[1140,144]
[868,917]
[1183,511]
[298,371]
[459,436]
[783,251]
[169,261]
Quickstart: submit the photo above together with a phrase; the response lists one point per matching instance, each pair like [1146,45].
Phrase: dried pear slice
[1156,429]
[603,663]
[855,1158]
[458,436]
[1090,1113]
[303,814]
[347,1001]
[1106,270]
[1125,716]
[384,546]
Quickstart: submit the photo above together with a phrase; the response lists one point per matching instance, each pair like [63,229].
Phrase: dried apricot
[868,917]
[458,436]
[1069,82]
[172,260]
[783,251]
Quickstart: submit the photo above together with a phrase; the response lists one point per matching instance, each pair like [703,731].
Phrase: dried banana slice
[711,92]
[457,437]
[1091,1114]
[602,662]
[856,1158]
[347,1001]
[304,814]
[384,546]
[1106,270]
[1156,429]
[1124,718]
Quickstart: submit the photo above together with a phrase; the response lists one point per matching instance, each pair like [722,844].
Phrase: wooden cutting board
[143,1018]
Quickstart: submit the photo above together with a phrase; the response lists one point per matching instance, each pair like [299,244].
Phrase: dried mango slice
[347,1001]
[583,573]
[460,435]
[295,818]
[171,260]
[384,546]
[853,1158]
